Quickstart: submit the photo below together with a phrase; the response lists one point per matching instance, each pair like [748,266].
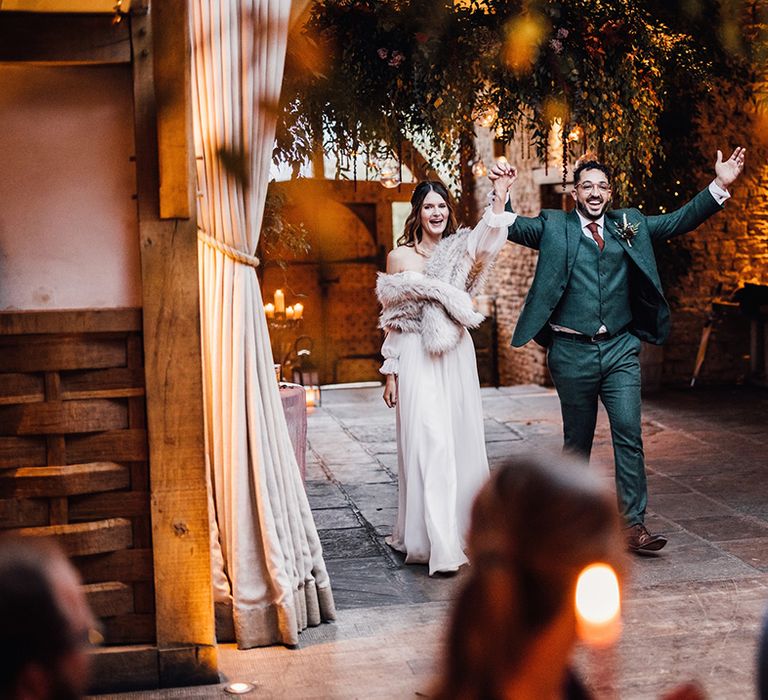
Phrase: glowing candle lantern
[269,310]
[598,605]
[298,311]
[313,396]
[305,373]
[279,301]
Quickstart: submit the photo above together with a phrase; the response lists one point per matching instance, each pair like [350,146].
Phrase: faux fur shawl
[436,304]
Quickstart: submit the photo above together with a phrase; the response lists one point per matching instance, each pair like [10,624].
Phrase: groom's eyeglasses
[589,186]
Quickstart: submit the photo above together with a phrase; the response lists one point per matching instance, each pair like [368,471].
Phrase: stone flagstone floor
[692,612]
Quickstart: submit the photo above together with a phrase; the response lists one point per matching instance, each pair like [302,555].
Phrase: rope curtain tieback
[228,250]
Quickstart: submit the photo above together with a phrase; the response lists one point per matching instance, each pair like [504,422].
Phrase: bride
[431,372]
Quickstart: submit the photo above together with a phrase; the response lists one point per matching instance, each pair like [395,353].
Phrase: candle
[269,309]
[289,312]
[279,301]
[298,310]
[598,605]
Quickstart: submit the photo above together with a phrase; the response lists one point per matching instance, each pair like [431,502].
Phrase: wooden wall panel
[39,353]
[120,445]
[21,452]
[60,417]
[73,453]
[21,388]
[16,512]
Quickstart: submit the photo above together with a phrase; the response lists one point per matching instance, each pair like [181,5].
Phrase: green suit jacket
[557,235]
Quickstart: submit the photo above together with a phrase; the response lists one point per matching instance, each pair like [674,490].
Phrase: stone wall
[726,252]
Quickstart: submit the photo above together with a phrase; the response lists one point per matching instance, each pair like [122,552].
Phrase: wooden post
[179,508]
[173,98]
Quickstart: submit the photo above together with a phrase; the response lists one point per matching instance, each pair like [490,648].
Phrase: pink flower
[397,59]
[383,53]
[557,45]
[562,33]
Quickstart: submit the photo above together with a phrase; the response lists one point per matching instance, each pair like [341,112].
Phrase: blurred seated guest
[536,525]
[45,623]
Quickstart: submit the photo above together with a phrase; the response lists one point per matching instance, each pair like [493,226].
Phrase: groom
[596,293]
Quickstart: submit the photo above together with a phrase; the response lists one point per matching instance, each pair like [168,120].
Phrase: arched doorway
[350,233]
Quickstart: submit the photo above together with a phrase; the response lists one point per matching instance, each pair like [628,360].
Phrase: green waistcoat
[598,290]
[558,236]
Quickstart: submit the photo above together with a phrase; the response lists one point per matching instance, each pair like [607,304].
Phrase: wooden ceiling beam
[31,37]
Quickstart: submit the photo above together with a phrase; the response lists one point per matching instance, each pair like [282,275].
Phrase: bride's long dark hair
[412,230]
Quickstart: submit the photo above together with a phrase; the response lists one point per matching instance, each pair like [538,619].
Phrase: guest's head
[45,623]
[431,214]
[592,188]
[536,525]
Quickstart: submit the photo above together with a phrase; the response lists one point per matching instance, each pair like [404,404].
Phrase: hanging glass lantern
[486,115]
[576,134]
[479,169]
[389,173]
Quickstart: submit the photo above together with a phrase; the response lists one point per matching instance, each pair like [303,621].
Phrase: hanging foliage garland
[395,68]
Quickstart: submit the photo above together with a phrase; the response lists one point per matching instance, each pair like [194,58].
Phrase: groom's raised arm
[704,204]
[526,231]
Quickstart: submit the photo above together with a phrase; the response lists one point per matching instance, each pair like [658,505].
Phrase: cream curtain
[269,564]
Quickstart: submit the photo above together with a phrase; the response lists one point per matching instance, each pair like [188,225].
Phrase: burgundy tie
[592,226]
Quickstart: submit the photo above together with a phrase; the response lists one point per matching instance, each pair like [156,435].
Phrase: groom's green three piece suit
[611,295]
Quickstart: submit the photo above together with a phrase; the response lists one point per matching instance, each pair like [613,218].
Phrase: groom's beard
[582,207]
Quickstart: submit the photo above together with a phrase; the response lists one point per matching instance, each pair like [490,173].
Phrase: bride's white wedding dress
[442,462]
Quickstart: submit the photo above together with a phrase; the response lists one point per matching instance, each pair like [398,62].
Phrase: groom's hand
[726,171]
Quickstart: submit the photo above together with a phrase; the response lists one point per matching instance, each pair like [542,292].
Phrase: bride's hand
[502,177]
[390,391]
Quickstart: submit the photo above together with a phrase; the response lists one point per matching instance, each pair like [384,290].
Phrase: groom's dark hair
[590,165]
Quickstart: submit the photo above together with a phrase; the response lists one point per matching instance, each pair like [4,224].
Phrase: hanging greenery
[397,68]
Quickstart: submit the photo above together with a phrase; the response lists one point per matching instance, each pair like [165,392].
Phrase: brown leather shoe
[640,540]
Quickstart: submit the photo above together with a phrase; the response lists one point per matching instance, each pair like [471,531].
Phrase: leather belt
[597,338]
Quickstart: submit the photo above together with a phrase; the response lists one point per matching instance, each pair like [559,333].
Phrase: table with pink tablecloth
[294,401]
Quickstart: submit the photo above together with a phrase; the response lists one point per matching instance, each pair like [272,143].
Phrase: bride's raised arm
[490,233]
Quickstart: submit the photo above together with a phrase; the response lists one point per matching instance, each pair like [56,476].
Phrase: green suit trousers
[608,370]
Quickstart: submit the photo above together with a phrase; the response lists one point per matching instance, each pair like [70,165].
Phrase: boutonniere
[627,231]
